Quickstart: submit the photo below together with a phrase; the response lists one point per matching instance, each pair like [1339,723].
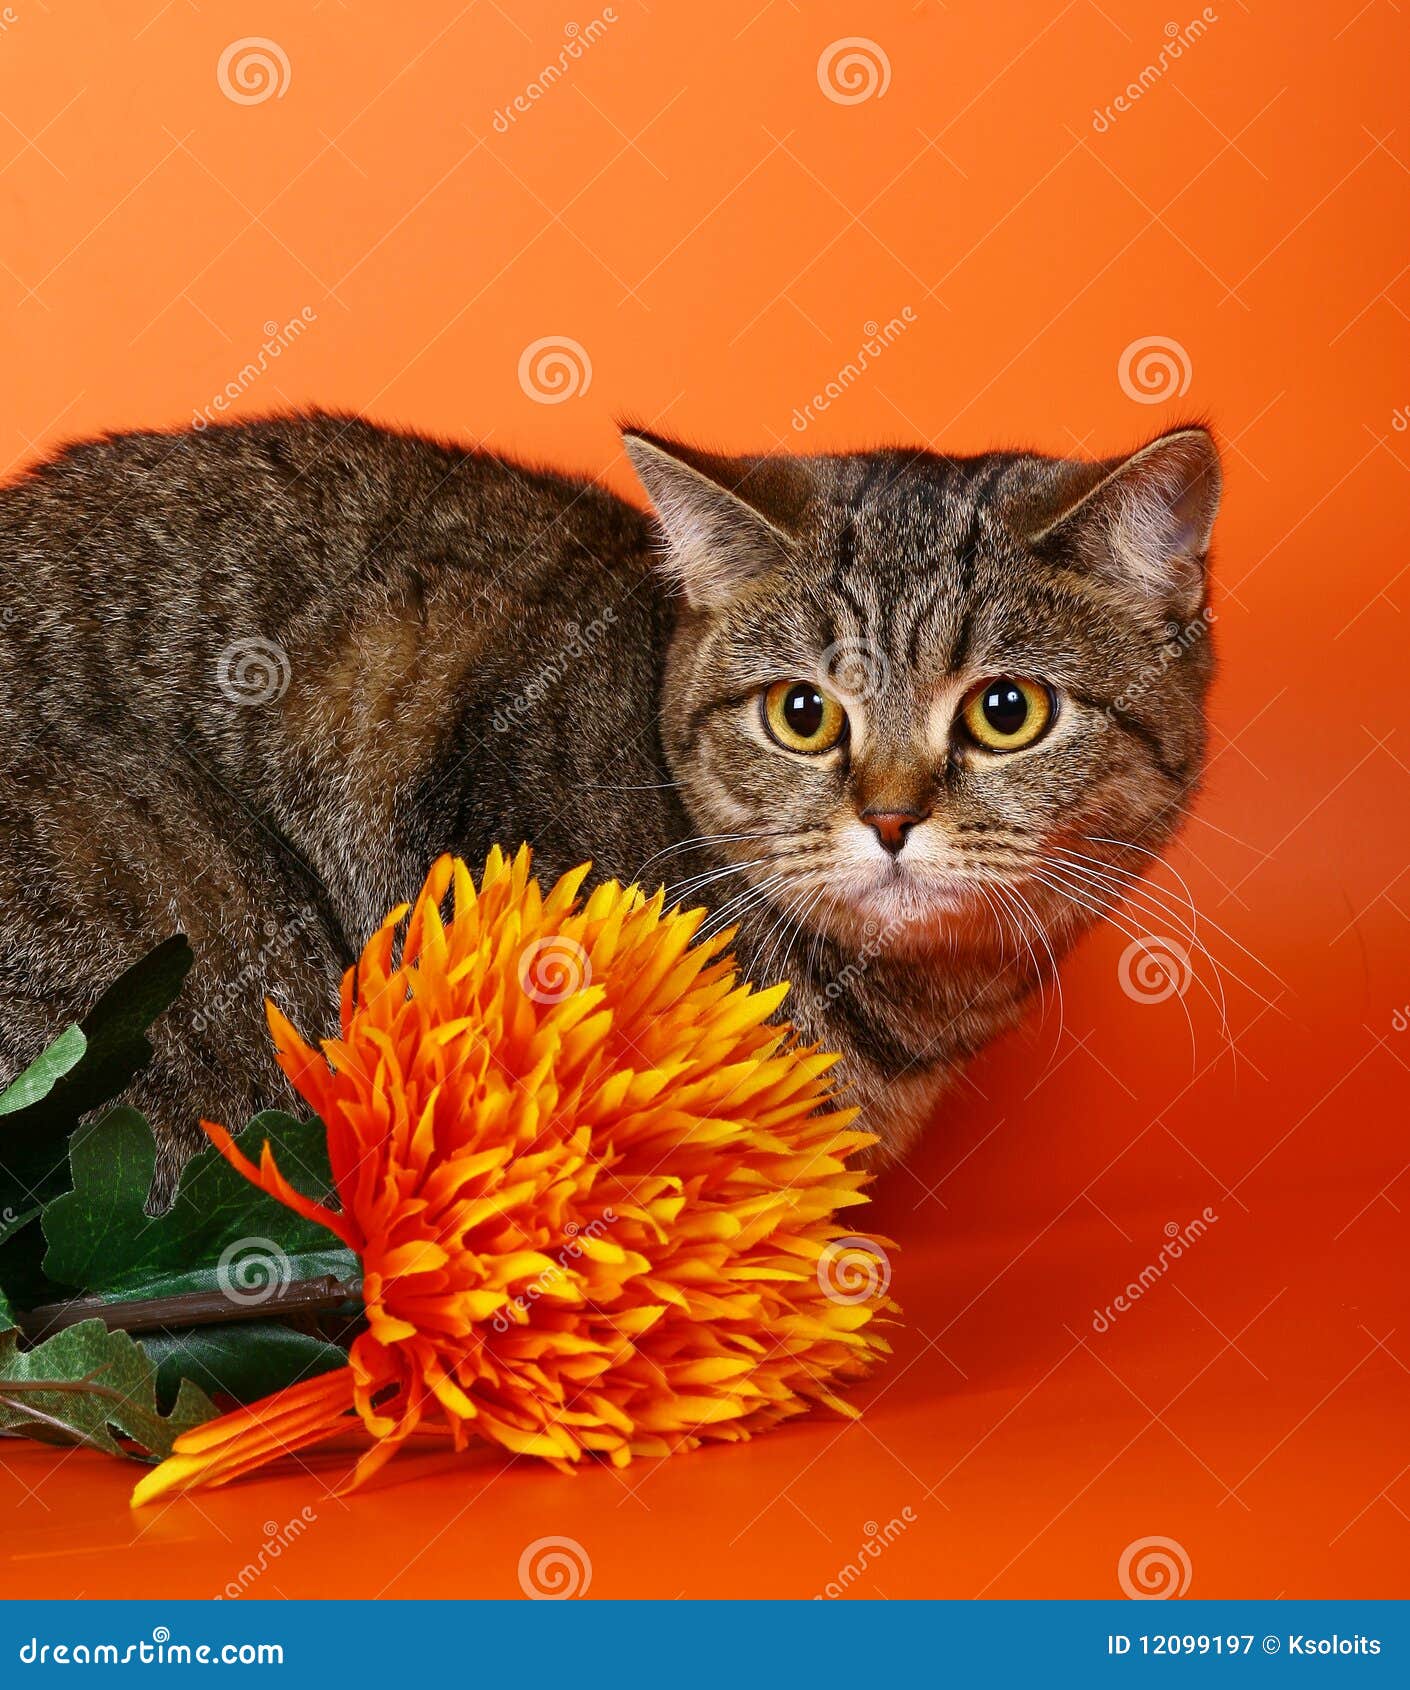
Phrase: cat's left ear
[1143,522]
[727,521]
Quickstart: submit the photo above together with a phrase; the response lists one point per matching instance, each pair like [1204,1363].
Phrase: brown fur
[460,651]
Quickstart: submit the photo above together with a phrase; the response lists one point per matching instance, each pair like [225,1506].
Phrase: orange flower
[592,1190]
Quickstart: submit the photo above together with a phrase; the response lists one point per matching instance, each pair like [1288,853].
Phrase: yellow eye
[1007,713]
[801,717]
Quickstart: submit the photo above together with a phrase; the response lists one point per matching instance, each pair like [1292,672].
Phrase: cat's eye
[1007,713]
[802,717]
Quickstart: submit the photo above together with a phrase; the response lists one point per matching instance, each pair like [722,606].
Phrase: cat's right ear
[727,521]
[1141,522]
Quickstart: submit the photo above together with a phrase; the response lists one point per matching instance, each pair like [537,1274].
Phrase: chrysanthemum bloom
[593,1191]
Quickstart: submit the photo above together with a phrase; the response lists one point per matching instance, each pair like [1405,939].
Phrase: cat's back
[263,515]
[129,563]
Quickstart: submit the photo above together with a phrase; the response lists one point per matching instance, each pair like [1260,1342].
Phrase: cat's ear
[1142,522]
[727,521]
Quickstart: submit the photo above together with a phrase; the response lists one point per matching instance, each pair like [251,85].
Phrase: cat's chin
[897,909]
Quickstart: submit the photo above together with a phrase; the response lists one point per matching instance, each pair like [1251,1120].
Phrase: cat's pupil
[1005,708]
[803,710]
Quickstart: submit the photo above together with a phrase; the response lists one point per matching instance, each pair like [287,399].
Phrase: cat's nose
[892,826]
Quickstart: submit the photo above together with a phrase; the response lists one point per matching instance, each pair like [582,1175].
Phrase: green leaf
[86,1385]
[50,1066]
[34,1128]
[220,1233]
[246,1359]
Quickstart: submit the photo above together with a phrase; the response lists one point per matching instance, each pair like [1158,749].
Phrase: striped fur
[474,652]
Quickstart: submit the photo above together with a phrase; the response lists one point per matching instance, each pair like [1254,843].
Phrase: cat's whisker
[692,885]
[630,786]
[1107,910]
[1002,925]
[1025,909]
[807,904]
[1157,902]
[762,971]
[730,912]
[703,841]
[1144,901]
[1208,920]
[799,910]
[1223,832]
[820,935]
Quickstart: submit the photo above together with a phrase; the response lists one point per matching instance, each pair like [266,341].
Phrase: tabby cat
[910,720]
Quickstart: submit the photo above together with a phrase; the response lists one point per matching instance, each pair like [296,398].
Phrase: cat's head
[902,684]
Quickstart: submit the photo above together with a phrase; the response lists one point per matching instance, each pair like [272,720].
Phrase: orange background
[690,206]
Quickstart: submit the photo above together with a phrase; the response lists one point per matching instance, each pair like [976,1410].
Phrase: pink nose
[891,826]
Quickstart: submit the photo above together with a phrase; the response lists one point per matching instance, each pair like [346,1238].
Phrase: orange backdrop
[1089,220]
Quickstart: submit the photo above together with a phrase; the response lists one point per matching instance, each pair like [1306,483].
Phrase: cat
[910,721]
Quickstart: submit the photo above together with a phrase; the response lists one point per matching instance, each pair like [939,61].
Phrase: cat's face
[924,701]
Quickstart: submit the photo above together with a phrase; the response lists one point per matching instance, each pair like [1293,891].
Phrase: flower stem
[190,1308]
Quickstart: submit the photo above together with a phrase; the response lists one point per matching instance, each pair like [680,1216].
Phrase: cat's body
[256,678]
